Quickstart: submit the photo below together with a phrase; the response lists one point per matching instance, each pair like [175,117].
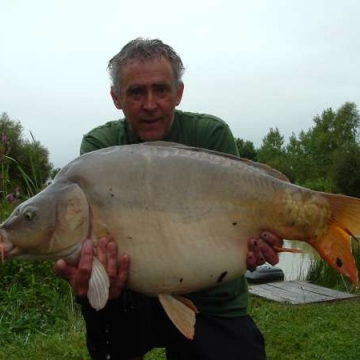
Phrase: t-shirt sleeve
[216,135]
[89,143]
[101,137]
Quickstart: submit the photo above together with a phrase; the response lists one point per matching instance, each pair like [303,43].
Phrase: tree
[297,163]
[23,164]
[272,146]
[272,152]
[334,136]
[326,157]
[246,149]
[346,171]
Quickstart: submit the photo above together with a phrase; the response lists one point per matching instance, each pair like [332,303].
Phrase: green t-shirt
[198,130]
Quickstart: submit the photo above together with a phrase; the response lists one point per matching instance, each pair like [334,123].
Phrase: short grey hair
[141,49]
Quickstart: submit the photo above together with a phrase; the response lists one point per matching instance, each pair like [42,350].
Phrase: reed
[322,274]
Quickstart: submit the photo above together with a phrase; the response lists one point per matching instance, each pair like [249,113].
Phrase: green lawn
[316,331]
[40,320]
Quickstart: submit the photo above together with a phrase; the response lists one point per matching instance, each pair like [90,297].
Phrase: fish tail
[335,245]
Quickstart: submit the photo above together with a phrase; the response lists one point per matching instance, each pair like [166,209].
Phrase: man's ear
[179,93]
[116,98]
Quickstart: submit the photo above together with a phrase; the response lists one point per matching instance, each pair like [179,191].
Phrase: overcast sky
[256,64]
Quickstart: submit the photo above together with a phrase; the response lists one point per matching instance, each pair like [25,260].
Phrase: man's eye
[161,89]
[135,91]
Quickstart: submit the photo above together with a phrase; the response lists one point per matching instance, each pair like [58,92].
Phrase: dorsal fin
[259,166]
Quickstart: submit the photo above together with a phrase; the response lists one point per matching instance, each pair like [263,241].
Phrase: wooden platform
[297,292]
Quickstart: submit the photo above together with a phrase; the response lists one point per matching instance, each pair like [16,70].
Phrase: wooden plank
[271,292]
[306,292]
[297,292]
[320,290]
[281,293]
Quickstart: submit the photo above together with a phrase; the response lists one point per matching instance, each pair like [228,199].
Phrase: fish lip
[12,252]
[6,247]
[70,254]
[8,250]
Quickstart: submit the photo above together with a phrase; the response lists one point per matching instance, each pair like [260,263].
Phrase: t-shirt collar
[133,139]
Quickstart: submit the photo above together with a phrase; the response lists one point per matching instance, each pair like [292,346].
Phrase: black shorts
[135,324]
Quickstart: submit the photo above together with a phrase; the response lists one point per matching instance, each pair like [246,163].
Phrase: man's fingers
[271,239]
[124,265]
[63,270]
[102,251]
[82,276]
[261,250]
[86,258]
[251,261]
[257,251]
[119,284]
[112,260]
[124,270]
[267,252]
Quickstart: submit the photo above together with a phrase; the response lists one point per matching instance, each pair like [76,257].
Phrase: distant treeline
[326,157]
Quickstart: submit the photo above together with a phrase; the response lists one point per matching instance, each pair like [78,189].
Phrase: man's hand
[262,250]
[117,267]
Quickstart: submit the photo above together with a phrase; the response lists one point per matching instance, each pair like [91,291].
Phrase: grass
[313,331]
[40,320]
[38,316]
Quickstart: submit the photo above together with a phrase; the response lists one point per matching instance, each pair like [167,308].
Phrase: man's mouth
[150,121]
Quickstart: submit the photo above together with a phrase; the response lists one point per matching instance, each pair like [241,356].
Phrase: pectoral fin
[182,312]
[98,292]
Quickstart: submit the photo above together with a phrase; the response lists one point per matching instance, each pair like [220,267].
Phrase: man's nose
[150,101]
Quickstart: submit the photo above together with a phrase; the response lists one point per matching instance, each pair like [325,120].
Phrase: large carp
[182,214]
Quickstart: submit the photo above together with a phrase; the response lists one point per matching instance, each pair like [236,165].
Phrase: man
[147,87]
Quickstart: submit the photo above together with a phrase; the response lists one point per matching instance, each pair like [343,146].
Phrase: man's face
[148,97]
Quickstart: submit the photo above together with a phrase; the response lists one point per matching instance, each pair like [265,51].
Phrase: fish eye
[29,215]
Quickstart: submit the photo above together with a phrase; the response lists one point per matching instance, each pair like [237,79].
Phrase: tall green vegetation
[24,164]
[246,149]
[327,148]
[33,300]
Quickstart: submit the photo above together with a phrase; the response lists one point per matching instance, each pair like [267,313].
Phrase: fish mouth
[70,254]
[9,251]
[2,247]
